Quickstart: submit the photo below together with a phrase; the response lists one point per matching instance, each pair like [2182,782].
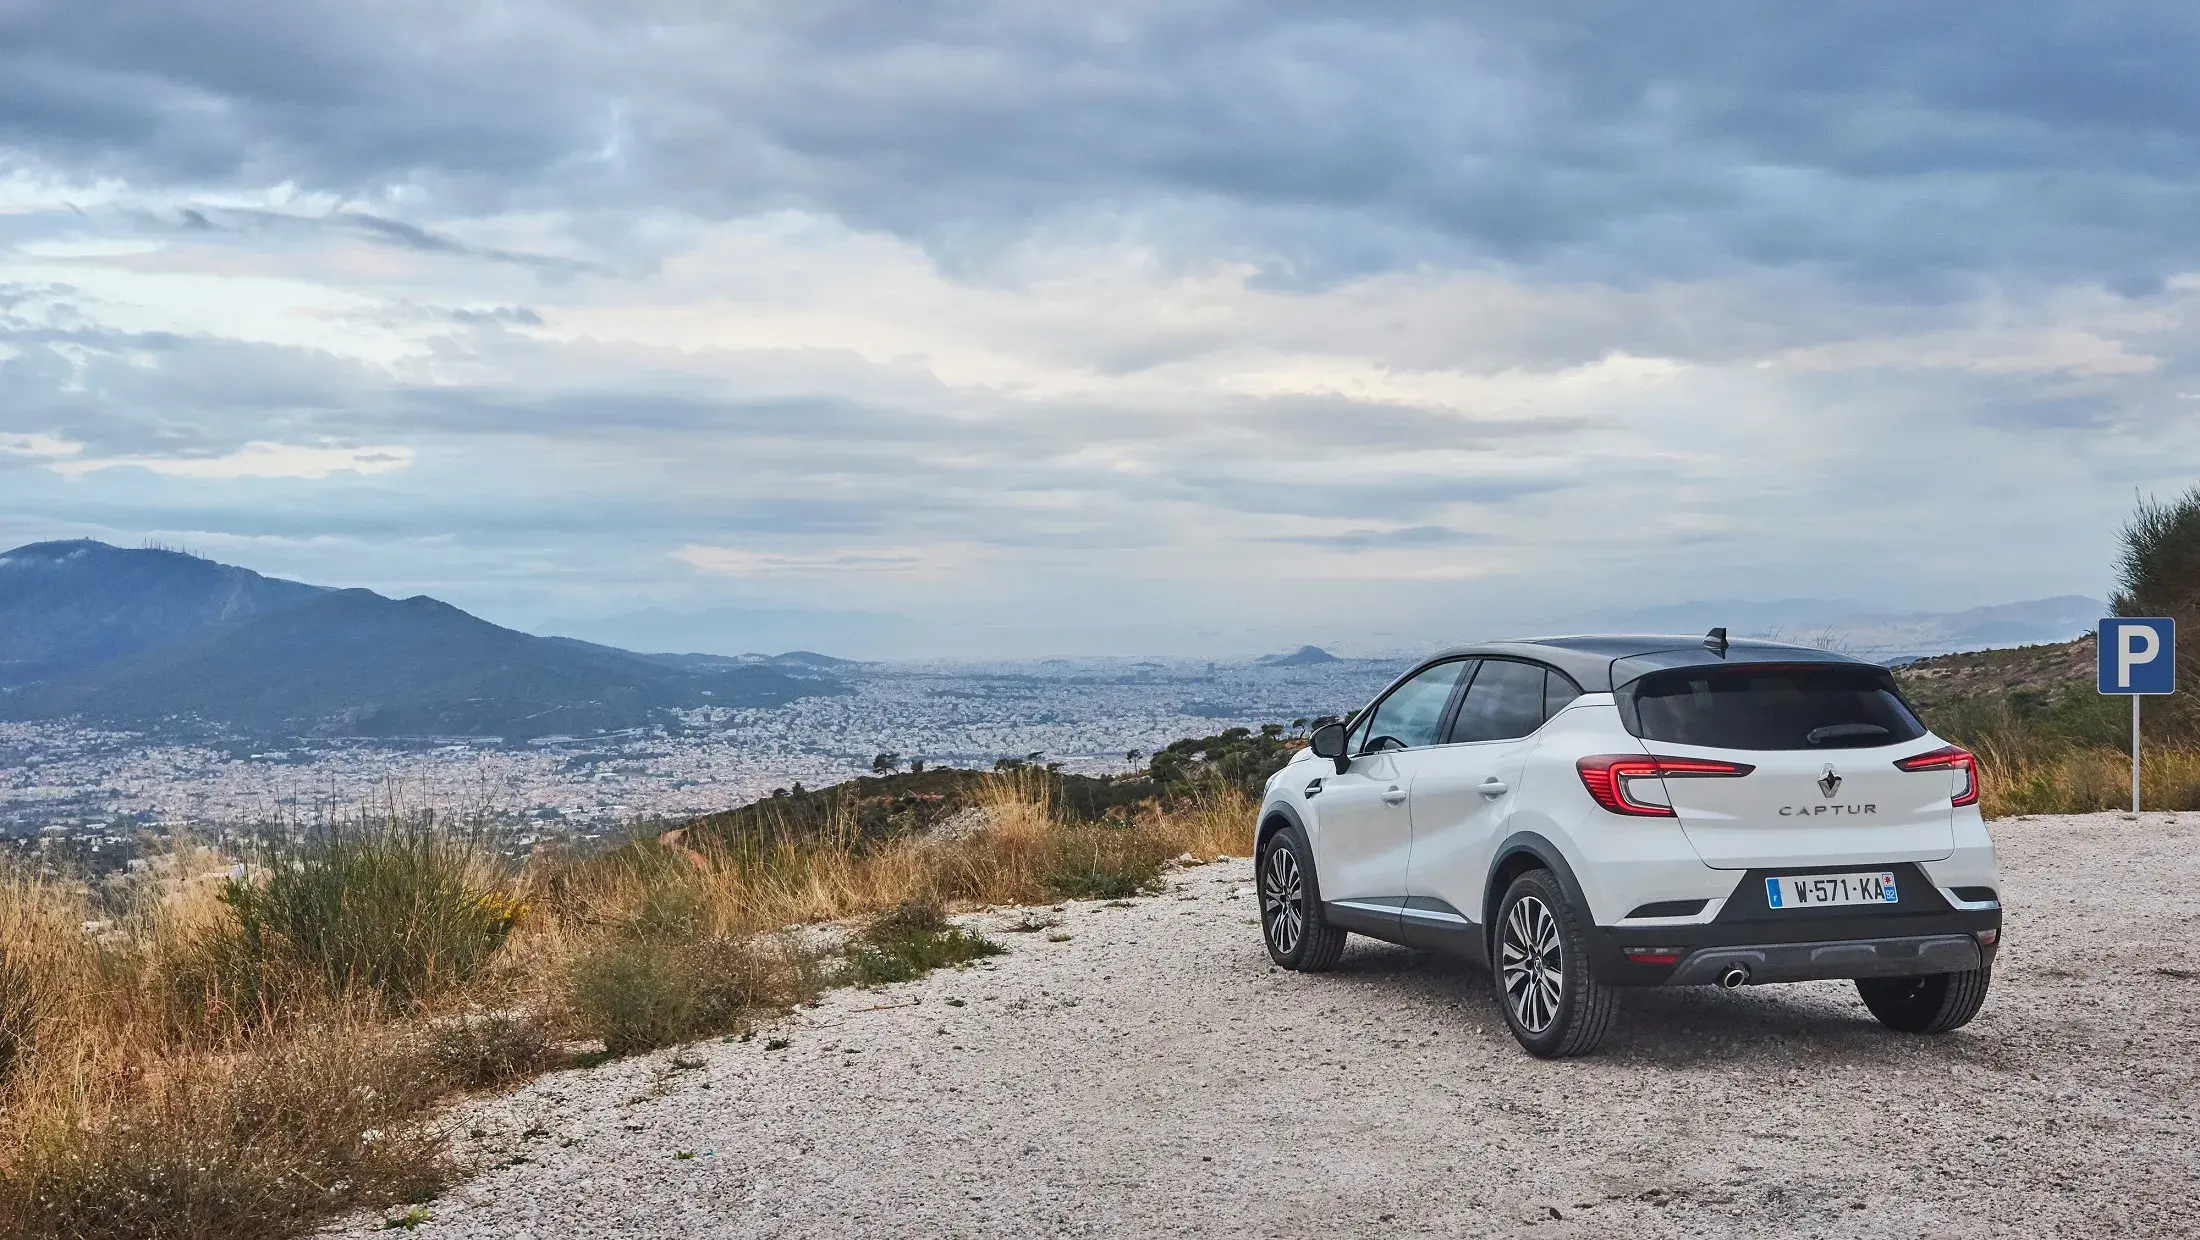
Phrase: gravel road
[1151,1075]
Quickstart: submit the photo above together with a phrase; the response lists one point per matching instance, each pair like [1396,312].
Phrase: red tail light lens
[1606,776]
[1952,758]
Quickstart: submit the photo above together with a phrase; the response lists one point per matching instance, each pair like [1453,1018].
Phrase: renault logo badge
[1830,783]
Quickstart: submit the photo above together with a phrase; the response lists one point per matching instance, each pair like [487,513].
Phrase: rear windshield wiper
[1836,731]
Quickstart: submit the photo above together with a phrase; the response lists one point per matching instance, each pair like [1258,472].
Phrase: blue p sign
[2138,656]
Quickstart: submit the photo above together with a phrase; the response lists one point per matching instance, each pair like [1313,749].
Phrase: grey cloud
[1923,146]
[500,314]
[1354,501]
[414,237]
[1412,537]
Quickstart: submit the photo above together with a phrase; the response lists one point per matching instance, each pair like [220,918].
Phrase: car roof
[1599,662]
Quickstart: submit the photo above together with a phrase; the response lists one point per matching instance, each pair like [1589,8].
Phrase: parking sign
[2138,656]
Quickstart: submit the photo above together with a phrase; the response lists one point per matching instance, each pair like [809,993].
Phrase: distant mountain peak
[810,658]
[1302,657]
[70,605]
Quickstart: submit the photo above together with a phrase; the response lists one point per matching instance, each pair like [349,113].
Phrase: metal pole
[2135,755]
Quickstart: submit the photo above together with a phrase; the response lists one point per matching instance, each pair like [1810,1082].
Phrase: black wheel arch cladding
[1526,850]
[1276,819]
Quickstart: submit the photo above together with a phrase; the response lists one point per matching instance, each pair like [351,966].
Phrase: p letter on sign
[2138,656]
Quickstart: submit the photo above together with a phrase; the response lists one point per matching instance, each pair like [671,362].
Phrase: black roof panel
[1600,661]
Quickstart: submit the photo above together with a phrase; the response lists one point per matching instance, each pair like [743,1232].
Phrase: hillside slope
[353,663]
[69,606]
[2025,699]
[2045,670]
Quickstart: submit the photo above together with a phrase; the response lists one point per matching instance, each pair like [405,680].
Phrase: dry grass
[132,1104]
[2015,779]
[243,1060]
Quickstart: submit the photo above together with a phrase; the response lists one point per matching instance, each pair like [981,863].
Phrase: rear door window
[1410,717]
[1504,702]
[1810,707]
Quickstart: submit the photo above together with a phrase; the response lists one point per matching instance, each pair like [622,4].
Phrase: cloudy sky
[1030,328]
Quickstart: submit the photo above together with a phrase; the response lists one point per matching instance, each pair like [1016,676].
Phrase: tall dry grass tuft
[260,1142]
[1213,819]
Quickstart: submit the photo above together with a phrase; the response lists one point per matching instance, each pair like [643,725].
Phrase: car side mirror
[1328,742]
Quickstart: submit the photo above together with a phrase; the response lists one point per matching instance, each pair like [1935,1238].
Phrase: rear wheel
[1935,1003]
[1290,906]
[1546,983]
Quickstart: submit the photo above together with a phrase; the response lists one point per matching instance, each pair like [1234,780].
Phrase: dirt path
[1152,1075]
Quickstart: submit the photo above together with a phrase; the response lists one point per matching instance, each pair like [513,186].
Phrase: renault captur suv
[1579,814]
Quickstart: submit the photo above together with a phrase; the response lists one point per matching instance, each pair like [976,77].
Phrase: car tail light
[1952,758]
[1606,776]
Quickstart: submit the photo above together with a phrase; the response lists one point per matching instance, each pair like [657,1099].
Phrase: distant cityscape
[99,797]
[148,694]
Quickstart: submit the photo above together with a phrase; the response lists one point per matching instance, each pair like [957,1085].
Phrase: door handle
[1393,794]
[1493,787]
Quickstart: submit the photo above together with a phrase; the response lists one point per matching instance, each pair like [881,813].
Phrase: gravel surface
[1150,1074]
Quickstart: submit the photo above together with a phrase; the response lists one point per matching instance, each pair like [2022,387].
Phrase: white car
[1596,812]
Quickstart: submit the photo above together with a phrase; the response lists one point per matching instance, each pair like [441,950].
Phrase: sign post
[2137,656]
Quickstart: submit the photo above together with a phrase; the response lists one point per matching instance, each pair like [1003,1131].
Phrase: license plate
[1830,890]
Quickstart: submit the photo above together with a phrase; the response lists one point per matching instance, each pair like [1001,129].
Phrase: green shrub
[638,994]
[1105,862]
[907,942]
[402,910]
[1238,757]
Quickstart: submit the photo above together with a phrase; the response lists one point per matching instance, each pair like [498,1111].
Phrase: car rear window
[1769,707]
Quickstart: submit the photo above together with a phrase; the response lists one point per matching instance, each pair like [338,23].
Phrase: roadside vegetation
[2047,742]
[243,1046]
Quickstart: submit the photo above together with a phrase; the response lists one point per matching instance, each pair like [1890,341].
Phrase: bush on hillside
[640,994]
[1105,861]
[863,812]
[401,910]
[2158,574]
[1238,757]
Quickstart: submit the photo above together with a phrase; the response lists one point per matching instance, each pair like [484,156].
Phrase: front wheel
[1290,906]
[1546,982]
[1935,1003]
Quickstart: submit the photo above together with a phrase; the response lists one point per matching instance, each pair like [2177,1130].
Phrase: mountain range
[1868,633]
[154,639]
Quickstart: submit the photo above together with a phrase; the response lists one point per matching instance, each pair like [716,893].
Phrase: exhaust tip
[1735,977]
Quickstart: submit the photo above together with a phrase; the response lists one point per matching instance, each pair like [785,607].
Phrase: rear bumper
[1804,962]
[1923,934]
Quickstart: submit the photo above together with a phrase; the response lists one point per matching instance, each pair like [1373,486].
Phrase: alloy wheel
[1282,892]
[1531,965]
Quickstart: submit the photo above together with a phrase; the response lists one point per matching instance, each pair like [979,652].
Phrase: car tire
[1291,906]
[1543,973]
[1932,1004]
